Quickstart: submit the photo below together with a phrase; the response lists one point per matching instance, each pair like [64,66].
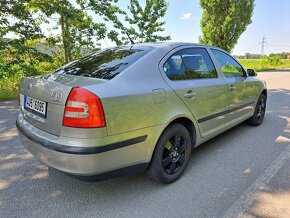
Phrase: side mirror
[251,72]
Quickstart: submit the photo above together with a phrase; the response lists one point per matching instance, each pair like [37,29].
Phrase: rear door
[190,72]
[240,102]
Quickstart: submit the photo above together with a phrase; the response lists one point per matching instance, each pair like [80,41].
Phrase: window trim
[217,63]
[176,51]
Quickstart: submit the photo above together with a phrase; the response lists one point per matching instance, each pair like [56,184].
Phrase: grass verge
[9,88]
[264,65]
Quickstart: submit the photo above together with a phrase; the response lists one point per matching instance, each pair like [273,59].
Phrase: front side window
[191,63]
[228,66]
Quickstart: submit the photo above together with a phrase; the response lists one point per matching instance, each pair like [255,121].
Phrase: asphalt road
[244,172]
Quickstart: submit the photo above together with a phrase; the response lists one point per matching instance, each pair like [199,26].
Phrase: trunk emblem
[56,96]
[29,86]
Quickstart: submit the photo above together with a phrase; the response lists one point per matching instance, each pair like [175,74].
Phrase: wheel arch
[189,123]
[265,93]
[189,126]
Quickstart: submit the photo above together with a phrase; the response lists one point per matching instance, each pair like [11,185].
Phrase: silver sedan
[134,108]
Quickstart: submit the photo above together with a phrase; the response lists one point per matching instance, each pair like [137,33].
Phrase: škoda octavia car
[136,108]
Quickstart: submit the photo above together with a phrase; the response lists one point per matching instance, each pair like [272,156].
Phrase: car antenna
[131,40]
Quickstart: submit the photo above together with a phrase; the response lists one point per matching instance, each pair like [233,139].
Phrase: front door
[240,104]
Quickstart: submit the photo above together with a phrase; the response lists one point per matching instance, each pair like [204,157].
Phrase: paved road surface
[243,172]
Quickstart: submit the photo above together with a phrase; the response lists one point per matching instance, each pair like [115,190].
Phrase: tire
[258,117]
[171,155]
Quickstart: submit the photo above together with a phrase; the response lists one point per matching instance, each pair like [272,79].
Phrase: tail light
[83,109]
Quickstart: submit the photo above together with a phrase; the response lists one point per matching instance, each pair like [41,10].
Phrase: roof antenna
[131,40]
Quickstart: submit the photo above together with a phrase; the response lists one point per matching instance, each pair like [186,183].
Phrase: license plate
[35,106]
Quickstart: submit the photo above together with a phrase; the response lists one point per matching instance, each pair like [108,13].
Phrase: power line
[250,48]
[279,41]
[276,45]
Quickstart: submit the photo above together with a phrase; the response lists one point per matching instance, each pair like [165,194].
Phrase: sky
[271,19]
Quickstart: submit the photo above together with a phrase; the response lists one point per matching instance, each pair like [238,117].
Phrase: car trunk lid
[53,90]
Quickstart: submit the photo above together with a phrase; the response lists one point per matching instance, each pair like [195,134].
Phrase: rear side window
[191,63]
[174,67]
[105,64]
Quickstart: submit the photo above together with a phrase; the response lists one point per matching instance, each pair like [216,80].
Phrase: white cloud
[186,16]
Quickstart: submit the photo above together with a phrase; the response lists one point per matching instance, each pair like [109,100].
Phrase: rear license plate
[35,106]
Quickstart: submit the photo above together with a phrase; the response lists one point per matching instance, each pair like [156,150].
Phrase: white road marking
[243,204]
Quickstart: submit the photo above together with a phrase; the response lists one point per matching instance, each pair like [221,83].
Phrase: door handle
[232,88]
[189,95]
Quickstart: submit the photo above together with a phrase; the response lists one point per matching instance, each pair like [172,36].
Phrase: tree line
[281,55]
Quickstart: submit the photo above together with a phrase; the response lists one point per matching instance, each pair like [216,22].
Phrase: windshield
[105,64]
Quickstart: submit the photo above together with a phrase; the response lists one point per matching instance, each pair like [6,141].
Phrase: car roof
[168,45]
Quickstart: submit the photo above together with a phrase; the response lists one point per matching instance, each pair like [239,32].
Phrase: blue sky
[271,18]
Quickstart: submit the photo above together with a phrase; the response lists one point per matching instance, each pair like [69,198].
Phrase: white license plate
[35,106]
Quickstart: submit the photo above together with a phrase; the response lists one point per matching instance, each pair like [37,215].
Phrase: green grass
[263,64]
[9,88]
[8,95]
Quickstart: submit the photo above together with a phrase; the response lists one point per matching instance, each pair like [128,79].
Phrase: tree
[224,21]
[78,31]
[142,25]
[146,20]
[107,10]
[16,19]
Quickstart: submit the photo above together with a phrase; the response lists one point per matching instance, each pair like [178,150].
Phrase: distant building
[44,49]
[41,47]
[288,56]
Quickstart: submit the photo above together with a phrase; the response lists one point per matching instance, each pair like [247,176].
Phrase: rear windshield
[105,64]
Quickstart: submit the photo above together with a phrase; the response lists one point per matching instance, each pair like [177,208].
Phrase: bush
[12,71]
[9,86]
[274,60]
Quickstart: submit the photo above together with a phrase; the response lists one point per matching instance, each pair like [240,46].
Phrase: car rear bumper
[99,159]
